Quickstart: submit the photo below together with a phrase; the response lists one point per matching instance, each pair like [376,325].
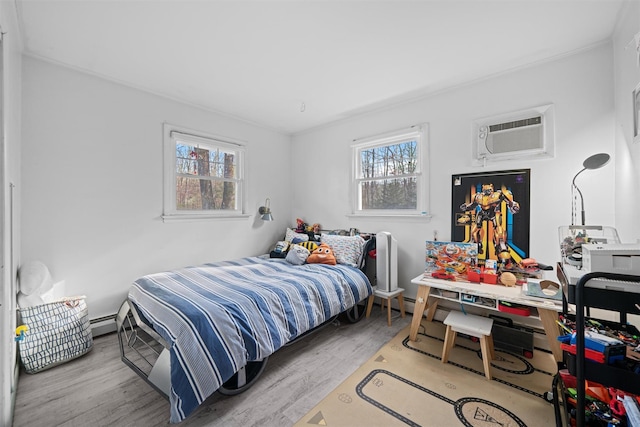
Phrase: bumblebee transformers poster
[492,210]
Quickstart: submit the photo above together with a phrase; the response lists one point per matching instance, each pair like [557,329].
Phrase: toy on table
[508,279]
[526,268]
[441,274]
[449,260]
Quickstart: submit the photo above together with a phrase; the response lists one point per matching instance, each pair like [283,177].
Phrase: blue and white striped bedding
[217,317]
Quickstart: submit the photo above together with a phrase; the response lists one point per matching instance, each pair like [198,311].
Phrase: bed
[197,330]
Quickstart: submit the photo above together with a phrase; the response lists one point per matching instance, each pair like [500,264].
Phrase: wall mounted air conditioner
[521,134]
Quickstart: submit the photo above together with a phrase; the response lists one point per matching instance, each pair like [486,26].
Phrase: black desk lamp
[593,162]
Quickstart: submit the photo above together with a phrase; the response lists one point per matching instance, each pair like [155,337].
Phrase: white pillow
[347,249]
[297,255]
[291,234]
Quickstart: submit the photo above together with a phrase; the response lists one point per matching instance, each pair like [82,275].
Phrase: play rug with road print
[405,383]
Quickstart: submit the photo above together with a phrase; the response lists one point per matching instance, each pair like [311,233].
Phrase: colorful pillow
[297,255]
[322,255]
[291,234]
[348,249]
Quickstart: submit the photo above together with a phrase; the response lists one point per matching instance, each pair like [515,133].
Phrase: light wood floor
[99,390]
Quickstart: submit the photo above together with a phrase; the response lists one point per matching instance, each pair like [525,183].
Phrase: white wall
[627,77]
[581,88]
[10,233]
[92,171]
[92,185]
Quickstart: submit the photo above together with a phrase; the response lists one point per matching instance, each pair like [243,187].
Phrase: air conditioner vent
[516,124]
[528,133]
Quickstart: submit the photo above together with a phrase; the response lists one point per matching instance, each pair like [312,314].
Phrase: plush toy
[309,244]
[301,226]
[297,255]
[315,228]
[322,255]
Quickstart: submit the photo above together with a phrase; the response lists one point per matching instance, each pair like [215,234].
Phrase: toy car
[443,275]
[457,266]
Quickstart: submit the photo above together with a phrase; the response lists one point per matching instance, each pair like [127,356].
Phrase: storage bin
[56,333]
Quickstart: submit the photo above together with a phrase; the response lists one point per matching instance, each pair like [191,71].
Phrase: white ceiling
[262,60]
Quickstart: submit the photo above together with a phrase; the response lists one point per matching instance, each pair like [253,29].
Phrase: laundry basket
[56,333]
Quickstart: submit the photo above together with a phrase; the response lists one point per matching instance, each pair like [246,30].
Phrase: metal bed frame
[147,353]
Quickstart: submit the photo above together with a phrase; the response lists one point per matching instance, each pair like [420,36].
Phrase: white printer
[617,258]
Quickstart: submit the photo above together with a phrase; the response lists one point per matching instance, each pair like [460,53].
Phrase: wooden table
[547,309]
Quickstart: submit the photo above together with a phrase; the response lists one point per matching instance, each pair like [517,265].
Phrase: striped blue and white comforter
[217,317]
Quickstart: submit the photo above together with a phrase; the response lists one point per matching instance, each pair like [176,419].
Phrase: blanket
[217,317]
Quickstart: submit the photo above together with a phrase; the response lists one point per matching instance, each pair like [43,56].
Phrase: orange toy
[322,255]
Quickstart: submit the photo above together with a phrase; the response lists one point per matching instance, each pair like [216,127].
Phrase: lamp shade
[265,211]
[595,161]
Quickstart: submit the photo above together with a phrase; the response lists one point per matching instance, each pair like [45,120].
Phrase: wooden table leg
[418,311]
[432,303]
[401,304]
[548,318]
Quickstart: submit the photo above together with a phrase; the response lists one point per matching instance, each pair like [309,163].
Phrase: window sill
[192,217]
[420,217]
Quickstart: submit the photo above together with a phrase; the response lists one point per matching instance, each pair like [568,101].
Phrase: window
[203,175]
[389,175]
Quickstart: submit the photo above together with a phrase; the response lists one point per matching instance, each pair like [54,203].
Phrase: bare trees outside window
[203,175]
[205,178]
[388,174]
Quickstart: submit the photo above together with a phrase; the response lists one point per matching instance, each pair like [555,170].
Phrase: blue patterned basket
[57,332]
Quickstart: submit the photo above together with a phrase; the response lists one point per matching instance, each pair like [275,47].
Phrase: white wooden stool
[475,326]
[387,296]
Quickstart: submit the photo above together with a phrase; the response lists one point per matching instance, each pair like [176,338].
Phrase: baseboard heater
[103,325]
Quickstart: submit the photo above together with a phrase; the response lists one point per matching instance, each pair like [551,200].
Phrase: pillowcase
[291,234]
[322,255]
[348,249]
[297,255]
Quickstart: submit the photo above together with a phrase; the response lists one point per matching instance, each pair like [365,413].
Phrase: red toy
[443,275]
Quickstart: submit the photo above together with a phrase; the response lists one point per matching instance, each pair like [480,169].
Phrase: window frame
[171,135]
[417,132]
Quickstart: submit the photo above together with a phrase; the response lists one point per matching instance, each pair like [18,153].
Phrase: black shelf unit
[584,296]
